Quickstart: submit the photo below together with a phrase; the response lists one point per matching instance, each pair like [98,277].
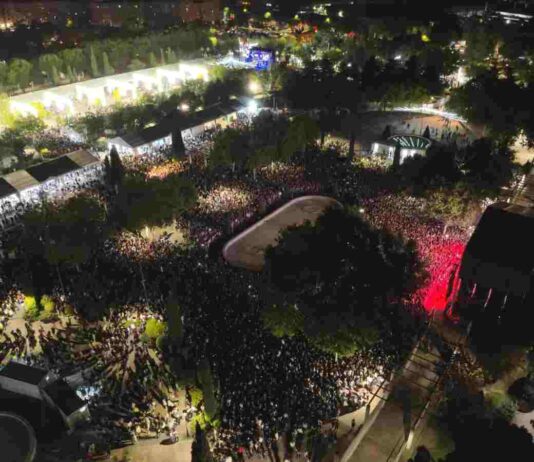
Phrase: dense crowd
[266,387]
[14,206]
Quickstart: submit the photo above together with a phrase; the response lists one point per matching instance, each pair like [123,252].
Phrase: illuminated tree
[19,73]
[106,67]
[94,64]
[49,65]
[152,60]
[283,320]
[6,116]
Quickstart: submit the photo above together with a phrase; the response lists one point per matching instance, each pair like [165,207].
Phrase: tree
[339,274]
[19,73]
[71,75]
[73,230]
[143,203]
[152,60]
[6,116]
[56,79]
[73,58]
[397,156]
[107,69]
[426,133]
[154,328]
[272,80]
[227,148]
[199,449]
[174,320]
[114,170]
[93,63]
[47,64]
[136,64]
[261,157]
[491,441]
[302,131]
[493,103]
[205,379]
[452,205]
[170,56]
[283,320]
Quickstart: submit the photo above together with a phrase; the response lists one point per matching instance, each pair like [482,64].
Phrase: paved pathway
[412,387]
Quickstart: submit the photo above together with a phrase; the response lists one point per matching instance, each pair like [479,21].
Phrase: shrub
[48,311]
[154,328]
[502,405]
[196,396]
[32,309]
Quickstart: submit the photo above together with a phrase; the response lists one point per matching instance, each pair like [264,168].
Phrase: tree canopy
[340,274]
[143,202]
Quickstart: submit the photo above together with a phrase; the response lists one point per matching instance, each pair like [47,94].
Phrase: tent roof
[500,253]
[83,158]
[52,168]
[146,136]
[20,180]
[62,165]
[64,397]
[176,121]
[210,113]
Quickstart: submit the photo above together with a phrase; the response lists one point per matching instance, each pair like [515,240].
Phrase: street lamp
[254,86]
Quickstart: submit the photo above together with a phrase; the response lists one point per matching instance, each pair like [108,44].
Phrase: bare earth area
[247,250]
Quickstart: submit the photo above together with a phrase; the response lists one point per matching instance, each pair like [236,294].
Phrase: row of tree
[109,56]
[270,138]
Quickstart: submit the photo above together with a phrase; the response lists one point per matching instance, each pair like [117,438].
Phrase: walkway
[412,388]
[391,434]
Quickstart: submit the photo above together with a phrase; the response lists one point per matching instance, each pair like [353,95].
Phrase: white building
[58,177]
[76,98]
[410,145]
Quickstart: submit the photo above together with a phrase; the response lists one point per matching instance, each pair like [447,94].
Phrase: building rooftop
[23,179]
[500,253]
[64,397]
[23,373]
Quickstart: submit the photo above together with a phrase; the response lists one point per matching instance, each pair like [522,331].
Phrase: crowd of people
[266,387]
[15,205]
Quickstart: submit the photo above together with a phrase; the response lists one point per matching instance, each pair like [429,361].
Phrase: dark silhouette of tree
[497,104]
[145,202]
[339,274]
[426,133]
[198,448]
[115,174]
[397,156]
